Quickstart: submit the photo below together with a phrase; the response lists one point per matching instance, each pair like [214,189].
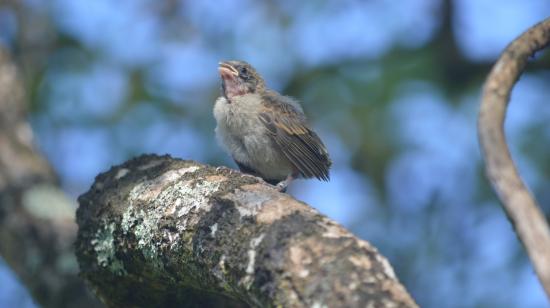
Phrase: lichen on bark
[162,231]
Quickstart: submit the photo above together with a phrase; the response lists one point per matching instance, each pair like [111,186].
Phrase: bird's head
[239,78]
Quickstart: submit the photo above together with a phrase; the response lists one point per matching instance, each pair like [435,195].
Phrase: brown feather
[285,122]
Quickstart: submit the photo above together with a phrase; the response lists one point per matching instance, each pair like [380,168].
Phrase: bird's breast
[240,117]
[242,133]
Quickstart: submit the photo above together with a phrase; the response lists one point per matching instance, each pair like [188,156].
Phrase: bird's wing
[287,126]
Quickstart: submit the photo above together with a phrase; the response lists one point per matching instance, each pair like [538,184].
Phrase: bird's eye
[243,71]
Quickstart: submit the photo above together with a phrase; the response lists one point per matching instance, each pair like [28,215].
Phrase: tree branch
[520,206]
[37,227]
[158,231]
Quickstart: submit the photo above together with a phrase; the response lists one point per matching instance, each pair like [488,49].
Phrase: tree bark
[518,203]
[158,231]
[37,226]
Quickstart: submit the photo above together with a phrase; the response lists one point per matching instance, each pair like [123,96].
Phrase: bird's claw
[281,186]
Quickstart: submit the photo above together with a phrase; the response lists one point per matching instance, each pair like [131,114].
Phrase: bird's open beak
[227,71]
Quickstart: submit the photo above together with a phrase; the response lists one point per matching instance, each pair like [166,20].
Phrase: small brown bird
[265,132]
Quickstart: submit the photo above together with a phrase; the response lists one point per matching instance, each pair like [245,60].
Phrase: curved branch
[520,206]
[158,232]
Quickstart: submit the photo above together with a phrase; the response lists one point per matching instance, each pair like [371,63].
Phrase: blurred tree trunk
[37,227]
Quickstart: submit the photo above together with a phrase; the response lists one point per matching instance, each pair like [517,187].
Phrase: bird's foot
[282,186]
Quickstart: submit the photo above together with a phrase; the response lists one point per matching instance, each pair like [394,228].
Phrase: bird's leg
[282,185]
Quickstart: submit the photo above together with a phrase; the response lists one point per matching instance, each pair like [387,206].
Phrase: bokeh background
[391,86]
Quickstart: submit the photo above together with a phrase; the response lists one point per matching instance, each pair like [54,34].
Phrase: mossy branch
[158,231]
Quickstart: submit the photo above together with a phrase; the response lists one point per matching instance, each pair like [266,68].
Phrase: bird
[266,133]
